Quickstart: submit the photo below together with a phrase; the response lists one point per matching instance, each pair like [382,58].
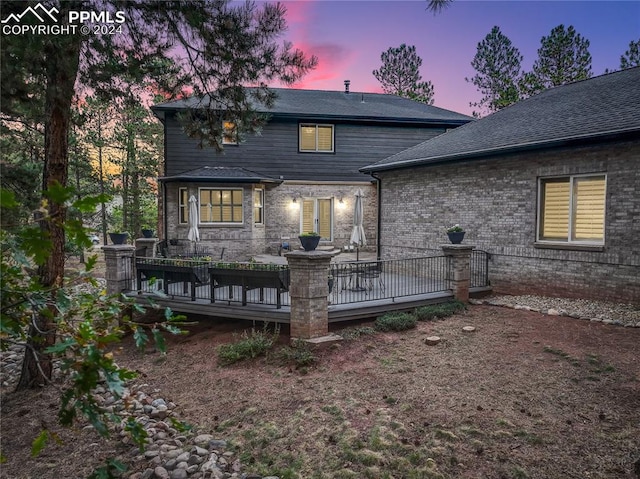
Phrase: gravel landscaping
[619,314]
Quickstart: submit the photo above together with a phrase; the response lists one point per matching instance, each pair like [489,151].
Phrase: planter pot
[309,243]
[147,233]
[456,237]
[118,238]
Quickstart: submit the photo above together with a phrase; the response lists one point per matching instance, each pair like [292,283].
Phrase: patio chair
[370,272]
[285,244]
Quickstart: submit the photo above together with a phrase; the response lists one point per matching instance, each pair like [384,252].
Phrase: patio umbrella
[193,234]
[357,234]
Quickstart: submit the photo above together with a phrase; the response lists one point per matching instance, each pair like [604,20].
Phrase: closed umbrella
[357,234]
[193,234]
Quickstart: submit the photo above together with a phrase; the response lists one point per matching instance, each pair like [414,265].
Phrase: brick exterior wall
[281,217]
[495,200]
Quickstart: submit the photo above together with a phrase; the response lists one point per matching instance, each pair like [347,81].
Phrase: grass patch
[354,333]
[395,322]
[529,437]
[248,346]
[438,311]
[445,435]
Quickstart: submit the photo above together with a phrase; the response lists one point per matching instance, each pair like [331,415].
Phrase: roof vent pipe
[346,85]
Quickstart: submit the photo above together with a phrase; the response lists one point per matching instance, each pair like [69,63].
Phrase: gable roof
[602,107]
[291,103]
[220,174]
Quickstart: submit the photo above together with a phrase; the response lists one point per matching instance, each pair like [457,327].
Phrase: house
[549,186]
[300,174]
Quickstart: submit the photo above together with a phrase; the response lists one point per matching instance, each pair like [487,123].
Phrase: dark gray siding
[274,153]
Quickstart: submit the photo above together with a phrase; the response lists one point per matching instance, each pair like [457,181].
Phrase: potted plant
[118,237]
[309,240]
[147,232]
[455,234]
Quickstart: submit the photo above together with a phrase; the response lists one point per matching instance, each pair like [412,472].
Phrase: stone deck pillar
[119,267]
[309,293]
[460,280]
[149,245]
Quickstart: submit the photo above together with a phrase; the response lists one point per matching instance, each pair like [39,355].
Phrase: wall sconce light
[295,200]
[341,201]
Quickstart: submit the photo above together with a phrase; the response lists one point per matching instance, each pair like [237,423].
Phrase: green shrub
[299,353]
[438,311]
[248,346]
[395,322]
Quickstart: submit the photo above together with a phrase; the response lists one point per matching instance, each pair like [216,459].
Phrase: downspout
[164,185]
[379,220]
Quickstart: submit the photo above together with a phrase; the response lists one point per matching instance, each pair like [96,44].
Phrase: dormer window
[316,138]
[229,133]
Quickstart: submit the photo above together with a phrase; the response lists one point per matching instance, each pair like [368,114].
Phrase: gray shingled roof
[220,174]
[600,107]
[338,104]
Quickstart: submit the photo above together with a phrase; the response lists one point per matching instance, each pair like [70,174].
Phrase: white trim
[180,205]
[569,241]
[316,125]
[219,223]
[316,218]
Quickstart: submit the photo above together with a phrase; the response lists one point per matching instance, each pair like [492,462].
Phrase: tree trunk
[62,55]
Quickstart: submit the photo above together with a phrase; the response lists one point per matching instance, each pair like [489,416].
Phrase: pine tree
[400,74]
[631,57]
[497,64]
[563,57]
[221,48]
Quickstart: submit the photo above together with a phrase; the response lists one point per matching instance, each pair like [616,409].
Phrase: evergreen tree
[631,57]
[497,64]
[400,74]
[563,57]
[214,47]
[436,6]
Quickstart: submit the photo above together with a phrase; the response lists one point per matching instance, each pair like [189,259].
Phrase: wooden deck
[268,313]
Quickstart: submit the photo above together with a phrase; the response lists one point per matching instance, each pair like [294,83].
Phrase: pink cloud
[298,12]
[332,60]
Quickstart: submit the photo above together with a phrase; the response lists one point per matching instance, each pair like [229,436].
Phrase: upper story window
[220,205]
[315,137]
[571,209]
[183,205]
[229,133]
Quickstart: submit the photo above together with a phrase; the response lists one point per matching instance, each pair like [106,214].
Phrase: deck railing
[479,268]
[198,279]
[360,281]
[349,282]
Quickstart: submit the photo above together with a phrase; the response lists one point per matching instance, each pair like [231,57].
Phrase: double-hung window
[220,205]
[183,205]
[258,206]
[571,209]
[316,138]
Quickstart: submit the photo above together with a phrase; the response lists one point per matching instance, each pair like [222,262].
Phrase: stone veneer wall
[282,217]
[496,202]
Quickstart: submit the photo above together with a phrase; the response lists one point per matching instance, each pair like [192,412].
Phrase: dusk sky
[349,36]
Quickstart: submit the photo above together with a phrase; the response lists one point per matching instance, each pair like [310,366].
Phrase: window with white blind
[316,215]
[318,138]
[572,209]
[220,205]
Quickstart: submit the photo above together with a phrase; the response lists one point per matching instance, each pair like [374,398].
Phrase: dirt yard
[524,396]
